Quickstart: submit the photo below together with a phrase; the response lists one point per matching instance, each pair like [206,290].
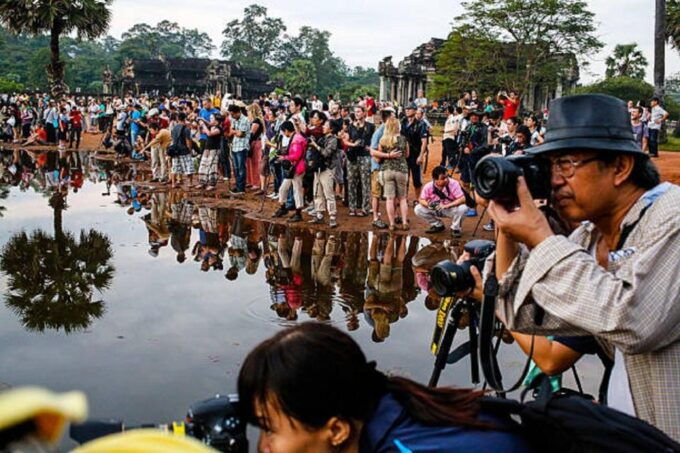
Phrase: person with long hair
[310,389]
[394,147]
[255,174]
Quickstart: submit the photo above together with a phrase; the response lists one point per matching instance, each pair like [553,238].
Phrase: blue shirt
[136,115]
[391,429]
[205,114]
[375,141]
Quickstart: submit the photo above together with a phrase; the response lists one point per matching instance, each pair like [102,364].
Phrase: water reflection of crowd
[369,276]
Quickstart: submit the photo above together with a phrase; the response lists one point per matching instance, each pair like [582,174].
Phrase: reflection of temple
[415,73]
[189,75]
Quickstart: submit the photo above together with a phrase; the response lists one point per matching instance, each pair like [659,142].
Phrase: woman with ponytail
[310,389]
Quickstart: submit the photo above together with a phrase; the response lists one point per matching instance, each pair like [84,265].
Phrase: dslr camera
[448,278]
[495,177]
[215,421]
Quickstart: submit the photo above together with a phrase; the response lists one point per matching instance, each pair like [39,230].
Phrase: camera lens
[449,278]
[496,177]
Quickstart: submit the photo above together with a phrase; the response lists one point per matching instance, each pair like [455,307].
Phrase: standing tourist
[657,116]
[207,170]
[76,119]
[255,177]
[159,145]
[359,164]
[451,128]
[394,149]
[324,175]
[510,103]
[182,164]
[640,130]
[240,128]
[293,167]
[416,136]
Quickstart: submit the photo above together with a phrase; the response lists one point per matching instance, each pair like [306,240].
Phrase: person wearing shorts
[393,149]
[182,164]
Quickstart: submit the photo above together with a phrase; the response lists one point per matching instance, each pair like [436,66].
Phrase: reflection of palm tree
[51,279]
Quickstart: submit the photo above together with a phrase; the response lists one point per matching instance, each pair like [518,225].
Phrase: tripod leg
[445,346]
[474,358]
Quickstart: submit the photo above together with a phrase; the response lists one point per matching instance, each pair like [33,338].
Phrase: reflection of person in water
[207,249]
[238,247]
[253,250]
[156,224]
[353,276]
[291,262]
[324,251]
[180,224]
[384,299]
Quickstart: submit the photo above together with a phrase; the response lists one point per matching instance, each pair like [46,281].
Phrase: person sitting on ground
[442,197]
[362,410]
[38,137]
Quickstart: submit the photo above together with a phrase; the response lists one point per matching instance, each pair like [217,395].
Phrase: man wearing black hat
[617,277]
[415,132]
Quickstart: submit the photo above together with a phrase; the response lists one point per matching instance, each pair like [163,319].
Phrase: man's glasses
[566,166]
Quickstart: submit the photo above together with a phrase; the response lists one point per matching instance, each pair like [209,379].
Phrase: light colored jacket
[633,305]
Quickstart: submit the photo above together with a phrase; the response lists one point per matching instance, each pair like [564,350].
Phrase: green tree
[253,40]
[51,279]
[299,78]
[626,61]
[10,86]
[88,18]
[535,39]
[626,88]
[165,40]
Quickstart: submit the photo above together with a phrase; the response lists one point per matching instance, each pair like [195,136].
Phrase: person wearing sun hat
[616,277]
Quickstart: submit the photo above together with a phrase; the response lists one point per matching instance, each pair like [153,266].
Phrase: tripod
[443,354]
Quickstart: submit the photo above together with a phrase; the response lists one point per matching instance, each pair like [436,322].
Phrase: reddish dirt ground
[668,163]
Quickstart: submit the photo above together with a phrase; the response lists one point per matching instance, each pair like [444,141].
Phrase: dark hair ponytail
[314,372]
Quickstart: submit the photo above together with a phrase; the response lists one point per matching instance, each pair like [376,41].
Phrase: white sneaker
[273,196]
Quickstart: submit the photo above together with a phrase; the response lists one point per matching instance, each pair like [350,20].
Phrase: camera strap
[487,351]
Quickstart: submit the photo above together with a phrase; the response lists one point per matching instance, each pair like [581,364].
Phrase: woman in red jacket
[293,164]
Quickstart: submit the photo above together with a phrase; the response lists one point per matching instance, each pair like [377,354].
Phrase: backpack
[568,422]
[179,148]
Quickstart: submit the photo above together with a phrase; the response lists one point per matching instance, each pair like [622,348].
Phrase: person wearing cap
[416,135]
[616,277]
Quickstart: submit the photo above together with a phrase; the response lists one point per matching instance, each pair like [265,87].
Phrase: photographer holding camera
[442,197]
[617,276]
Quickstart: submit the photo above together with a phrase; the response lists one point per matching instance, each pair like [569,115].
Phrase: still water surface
[186,292]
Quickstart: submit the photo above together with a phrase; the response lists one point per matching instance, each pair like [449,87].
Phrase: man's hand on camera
[524,224]
[476,293]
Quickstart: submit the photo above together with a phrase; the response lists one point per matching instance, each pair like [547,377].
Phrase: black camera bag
[568,422]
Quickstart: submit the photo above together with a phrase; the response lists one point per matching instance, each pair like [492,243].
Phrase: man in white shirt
[316,103]
[657,116]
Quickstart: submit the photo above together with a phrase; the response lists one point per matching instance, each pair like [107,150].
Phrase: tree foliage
[165,40]
[514,43]
[300,77]
[626,61]
[253,40]
[51,279]
[89,19]
[626,88]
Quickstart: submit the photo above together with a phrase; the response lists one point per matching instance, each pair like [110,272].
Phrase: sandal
[406,226]
[392,228]
[210,188]
[352,213]
[361,213]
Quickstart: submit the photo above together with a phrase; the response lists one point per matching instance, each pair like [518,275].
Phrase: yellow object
[49,410]
[144,441]
[178,428]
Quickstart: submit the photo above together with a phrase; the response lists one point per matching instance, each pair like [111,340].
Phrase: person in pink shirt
[293,164]
[442,198]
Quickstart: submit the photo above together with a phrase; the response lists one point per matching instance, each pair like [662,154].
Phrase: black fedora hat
[589,121]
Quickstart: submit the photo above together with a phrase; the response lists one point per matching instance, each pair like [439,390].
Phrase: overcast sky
[364,31]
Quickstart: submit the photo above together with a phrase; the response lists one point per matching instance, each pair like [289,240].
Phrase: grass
[673,144]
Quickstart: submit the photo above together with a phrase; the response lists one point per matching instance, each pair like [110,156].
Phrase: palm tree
[659,47]
[51,279]
[88,18]
[626,61]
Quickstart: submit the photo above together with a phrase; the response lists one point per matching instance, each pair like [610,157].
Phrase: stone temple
[415,72]
[187,76]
